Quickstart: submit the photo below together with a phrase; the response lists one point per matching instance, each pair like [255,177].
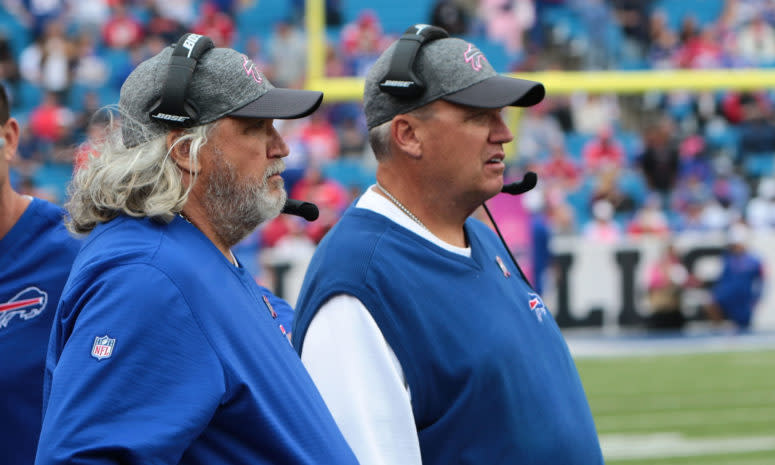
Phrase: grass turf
[712,408]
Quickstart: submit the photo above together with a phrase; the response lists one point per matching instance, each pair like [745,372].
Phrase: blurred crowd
[610,167]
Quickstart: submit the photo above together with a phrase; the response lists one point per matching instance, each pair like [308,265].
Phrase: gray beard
[236,204]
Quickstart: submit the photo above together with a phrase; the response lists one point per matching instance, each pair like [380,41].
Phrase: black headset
[400,80]
[173,109]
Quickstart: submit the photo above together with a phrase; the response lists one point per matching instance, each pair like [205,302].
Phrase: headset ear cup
[173,108]
[400,80]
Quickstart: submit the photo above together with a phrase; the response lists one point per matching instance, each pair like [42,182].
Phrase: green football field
[708,409]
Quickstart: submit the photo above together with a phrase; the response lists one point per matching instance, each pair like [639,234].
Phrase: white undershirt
[356,371]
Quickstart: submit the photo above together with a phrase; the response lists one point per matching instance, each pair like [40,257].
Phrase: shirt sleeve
[135,381]
[362,382]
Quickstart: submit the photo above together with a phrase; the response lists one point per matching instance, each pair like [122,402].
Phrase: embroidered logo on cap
[474,57]
[251,69]
[103,347]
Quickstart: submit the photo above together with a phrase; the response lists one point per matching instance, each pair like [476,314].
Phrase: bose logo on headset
[190,42]
[401,80]
[168,117]
[173,108]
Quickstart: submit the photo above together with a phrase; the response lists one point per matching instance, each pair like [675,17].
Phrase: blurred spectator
[9,69]
[596,18]
[756,42]
[287,51]
[663,42]
[660,159]
[330,197]
[352,137]
[362,42]
[46,62]
[122,30]
[506,22]
[181,12]
[218,26]
[607,187]
[165,26]
[760,212]
[694,159]
[335,65]
[540,236]
[739,287]
[603,151]
[649,220]
[560,214]
[633,16]
[538,130]
[89,68]
[88,16]
[88,108]
[319,138]
[699,49]
[560,169]
[293,248]
[729,188]
[757,127]
[666,279]
[334,13]
[451,16]
[35,14]
[51,121]
[96,130]
[602,228]
[593,113]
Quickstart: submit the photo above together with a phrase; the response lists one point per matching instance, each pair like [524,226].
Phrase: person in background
[36,253]
[163,349]
[740,284]
[427,343]
[666,279]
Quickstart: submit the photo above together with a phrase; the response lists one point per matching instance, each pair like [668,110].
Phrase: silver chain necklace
[402,207]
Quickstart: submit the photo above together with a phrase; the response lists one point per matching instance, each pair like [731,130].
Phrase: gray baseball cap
[453,70]
[224,83]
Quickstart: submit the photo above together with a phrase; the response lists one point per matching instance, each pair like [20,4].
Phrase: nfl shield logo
[103,347]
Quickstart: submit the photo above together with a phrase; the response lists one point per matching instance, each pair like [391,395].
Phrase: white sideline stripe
[602,346]
[666,445]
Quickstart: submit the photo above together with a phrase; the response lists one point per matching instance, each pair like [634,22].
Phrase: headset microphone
[307,210]
[529,181]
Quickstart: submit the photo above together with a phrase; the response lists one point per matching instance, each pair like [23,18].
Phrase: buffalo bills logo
[536,306]
[251,70]
[27,304]
[474,57]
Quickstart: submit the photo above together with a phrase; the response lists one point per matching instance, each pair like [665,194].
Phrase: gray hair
[379,139]
[379,136]
[141,181]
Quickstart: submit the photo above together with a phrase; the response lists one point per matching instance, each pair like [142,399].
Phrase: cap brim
[499,91]
[281,104]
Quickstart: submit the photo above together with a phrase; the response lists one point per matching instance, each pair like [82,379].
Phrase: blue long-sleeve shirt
[162,352]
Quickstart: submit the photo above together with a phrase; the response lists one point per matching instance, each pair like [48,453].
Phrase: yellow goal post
[350,89]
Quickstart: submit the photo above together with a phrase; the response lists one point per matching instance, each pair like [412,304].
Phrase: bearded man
[164,350]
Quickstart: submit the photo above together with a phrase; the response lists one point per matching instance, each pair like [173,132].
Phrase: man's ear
[403,130]
[9,132]
[179,151]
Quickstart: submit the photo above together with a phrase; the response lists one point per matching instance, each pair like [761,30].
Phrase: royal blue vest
[491,378]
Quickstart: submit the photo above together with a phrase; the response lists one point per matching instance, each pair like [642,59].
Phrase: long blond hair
[141,181]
